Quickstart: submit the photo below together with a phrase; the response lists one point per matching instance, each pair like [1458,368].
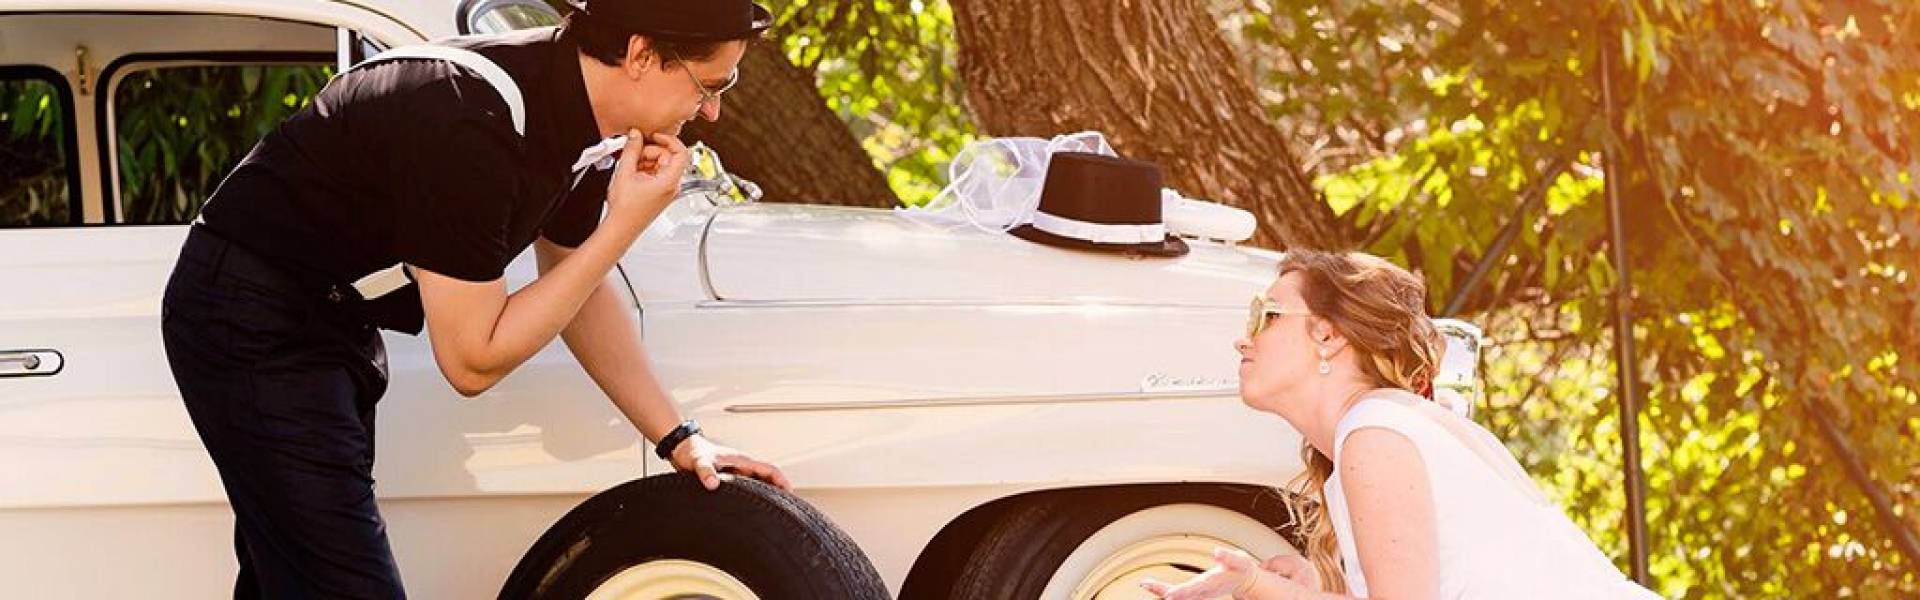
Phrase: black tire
[1020,553]
[775,543]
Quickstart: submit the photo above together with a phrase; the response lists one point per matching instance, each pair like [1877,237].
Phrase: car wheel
[1099,544]
[667,537]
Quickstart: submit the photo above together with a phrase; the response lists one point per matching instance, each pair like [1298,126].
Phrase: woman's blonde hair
[1381,310]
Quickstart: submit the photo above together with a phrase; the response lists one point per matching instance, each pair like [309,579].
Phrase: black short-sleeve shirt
[416,161]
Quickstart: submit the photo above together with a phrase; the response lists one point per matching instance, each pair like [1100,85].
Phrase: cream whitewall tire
[1157,542]
[1099,542]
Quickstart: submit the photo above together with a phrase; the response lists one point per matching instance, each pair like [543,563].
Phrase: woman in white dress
[1415,502]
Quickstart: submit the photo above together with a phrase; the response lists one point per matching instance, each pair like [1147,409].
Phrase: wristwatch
[673,439]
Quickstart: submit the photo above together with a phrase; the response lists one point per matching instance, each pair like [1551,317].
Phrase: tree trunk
[776,131]
[1160,81]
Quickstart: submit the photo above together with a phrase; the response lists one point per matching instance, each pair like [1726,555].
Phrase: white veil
[994,184]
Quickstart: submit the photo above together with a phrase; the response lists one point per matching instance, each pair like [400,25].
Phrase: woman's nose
[1243,346]
[711,110]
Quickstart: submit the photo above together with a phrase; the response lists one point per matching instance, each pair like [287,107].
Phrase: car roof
[422,19]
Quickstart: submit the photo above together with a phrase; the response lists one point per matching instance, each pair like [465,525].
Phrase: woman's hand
[1233,575]
[1297,569]
[1238,576]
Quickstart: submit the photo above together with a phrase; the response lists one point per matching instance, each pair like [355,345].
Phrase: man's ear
[640,56]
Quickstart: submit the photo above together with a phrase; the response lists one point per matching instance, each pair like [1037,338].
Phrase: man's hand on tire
[707,459]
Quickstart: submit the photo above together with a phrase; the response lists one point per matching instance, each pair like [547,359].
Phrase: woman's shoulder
[1386,408]
[1444,441]
[1410,415]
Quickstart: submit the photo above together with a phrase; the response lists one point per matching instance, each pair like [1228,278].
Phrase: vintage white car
[984,417]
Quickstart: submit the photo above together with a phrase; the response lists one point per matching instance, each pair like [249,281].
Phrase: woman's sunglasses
[1263,311]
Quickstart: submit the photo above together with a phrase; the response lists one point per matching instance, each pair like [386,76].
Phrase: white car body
[900,374]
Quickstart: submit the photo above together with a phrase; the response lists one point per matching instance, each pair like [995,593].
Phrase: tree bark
[776,131]
[1158,78]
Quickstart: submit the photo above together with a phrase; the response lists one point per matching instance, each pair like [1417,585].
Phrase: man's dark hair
[609,44]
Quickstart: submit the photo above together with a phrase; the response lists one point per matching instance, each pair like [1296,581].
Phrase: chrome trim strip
[1196,394]
[706,270]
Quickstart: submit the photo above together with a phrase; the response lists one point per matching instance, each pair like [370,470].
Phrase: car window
[180,129]
[37,166]
[498,16]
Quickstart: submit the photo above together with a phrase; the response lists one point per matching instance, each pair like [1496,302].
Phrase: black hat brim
[1170,247]
[762,20]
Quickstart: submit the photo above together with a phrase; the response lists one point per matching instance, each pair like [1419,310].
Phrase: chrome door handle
[22,363]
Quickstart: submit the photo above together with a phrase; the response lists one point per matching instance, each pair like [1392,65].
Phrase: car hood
[774,252]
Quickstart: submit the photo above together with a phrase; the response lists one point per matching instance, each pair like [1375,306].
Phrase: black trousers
[281,386]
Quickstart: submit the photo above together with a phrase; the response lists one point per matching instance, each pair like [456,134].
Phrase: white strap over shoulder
[600,156]
[388,280]
[502,82]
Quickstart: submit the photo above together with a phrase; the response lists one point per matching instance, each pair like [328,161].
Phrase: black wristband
[673,439]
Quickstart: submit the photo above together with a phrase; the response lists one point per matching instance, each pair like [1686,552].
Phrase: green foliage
[33,155]
[1333,72]
[182,129]
[1762,151]
[887,68]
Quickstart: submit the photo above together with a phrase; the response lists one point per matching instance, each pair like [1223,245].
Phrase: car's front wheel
[1099,544]
[667,537]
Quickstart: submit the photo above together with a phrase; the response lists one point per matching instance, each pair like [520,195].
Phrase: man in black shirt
[396,200]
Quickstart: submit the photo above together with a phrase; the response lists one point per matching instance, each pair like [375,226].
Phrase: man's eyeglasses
[1263,311]
[708,97]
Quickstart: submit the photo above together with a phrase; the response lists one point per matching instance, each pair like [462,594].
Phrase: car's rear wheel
[1099,544]
[667,537]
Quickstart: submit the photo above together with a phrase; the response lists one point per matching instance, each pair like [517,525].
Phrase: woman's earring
[1326,366]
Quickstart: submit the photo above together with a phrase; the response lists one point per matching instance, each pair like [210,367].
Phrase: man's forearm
[480,333]
[605,337]
[536,312]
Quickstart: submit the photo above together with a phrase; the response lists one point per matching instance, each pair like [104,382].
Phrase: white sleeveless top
[1495,539]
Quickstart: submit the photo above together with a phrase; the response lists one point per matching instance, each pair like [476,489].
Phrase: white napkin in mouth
[601,156]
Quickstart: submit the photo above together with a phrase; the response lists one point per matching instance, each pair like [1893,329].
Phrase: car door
[114,128]
[95,443]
